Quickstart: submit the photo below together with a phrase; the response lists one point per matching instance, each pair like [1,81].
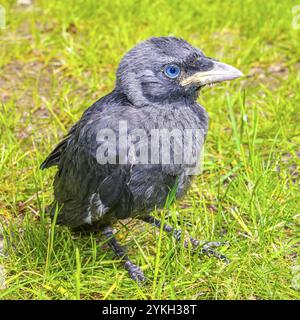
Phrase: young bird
[100,179]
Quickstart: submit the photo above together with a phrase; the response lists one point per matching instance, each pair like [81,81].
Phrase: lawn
[58,57]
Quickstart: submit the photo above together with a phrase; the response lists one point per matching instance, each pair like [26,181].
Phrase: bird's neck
[168,101]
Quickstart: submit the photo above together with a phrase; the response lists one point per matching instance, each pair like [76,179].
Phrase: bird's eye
[172,71]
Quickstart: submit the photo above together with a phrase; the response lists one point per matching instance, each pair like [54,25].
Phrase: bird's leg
[207,248]
[134,271]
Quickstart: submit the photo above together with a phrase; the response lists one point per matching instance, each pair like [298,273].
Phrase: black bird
[112,166]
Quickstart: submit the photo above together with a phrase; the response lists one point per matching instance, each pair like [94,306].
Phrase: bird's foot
[135,272]
[205,247]
[208,249]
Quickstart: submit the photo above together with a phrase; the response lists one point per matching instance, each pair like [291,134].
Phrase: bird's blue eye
[172,71]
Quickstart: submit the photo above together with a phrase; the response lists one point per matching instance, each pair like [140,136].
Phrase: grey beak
[219,73]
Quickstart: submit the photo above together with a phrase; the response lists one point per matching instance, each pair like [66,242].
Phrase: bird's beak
[219,73]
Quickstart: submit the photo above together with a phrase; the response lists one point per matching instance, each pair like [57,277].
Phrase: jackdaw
[115,162]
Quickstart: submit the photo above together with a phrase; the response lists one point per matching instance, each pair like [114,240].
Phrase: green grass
[58,57]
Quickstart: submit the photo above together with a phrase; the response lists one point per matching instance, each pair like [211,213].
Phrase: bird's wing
[86,190]
[88,203]
[54,157]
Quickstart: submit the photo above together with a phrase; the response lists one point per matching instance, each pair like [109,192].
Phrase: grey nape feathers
[112,166]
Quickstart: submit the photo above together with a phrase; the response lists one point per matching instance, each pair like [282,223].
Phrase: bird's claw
[213,244]
[207,249]
[135,272]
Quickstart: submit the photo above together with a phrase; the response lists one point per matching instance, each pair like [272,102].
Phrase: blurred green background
[58,57]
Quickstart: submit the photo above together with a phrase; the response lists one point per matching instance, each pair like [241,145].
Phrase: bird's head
[168,69]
